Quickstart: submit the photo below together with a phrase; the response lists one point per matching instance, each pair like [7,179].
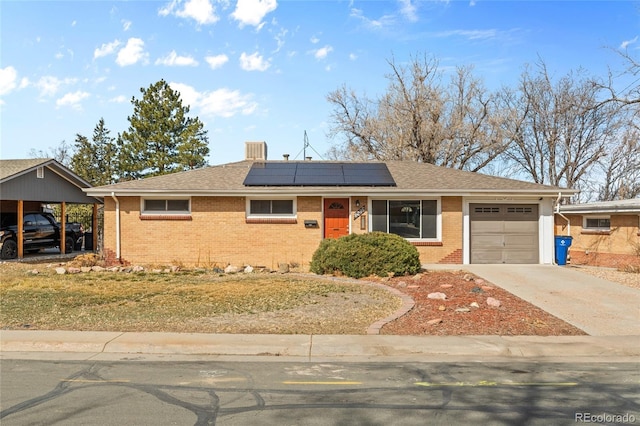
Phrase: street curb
[332,347]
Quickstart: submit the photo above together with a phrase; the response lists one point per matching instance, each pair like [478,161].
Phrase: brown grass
[162,301]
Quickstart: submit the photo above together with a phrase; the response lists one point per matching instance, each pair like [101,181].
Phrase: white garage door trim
[504,233]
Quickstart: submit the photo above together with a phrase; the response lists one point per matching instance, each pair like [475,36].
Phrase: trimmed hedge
[362,255]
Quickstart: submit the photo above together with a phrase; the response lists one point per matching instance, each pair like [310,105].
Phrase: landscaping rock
[434,321]
[477,290]
[97,268]
[417,277]
[487,288]
[437,295]
[231,269]
[33,272]
[468,277]
[474,305]
[248,269]
[446,286]
[174,268]
[73,270]
[60,270]
[137,268]
[85,269]
[463,310]
[283,268]
[493,302]
[442,308]
[479,281]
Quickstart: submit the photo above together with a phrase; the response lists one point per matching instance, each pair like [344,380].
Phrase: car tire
[68,245]
[9,250]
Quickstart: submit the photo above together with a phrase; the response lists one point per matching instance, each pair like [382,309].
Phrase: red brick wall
[217,234]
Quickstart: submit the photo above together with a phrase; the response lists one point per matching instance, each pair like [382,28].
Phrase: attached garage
[504,233]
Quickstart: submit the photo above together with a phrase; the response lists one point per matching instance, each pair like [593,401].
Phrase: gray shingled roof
[409,177]
[619,206]
[10,168]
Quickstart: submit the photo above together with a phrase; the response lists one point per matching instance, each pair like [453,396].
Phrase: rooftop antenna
[307,145]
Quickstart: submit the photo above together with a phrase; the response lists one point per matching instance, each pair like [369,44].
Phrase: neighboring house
[262,213]
[604,233]
[26,185]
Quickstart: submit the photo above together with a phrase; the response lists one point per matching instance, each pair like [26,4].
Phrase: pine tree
[161,138]
[95,160]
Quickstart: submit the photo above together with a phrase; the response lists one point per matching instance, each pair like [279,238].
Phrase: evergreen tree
[161,138]
[95,160]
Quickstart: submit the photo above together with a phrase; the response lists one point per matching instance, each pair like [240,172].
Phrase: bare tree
[421,119]
[559,130]
[621,169]
[62,153]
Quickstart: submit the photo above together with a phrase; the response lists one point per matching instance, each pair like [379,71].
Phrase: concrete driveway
[596,306]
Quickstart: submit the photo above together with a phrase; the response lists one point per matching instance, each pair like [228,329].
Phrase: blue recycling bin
[563,242]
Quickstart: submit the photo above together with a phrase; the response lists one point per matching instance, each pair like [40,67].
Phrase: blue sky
[256,70]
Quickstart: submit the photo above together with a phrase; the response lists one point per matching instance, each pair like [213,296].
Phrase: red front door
[336,217]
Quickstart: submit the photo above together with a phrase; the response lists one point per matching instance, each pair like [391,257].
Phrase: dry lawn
[187,301]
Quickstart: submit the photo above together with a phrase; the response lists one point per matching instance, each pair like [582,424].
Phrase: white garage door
[504,233]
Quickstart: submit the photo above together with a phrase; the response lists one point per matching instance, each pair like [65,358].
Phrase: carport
[28,184]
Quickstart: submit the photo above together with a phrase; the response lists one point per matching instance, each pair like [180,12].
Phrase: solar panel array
[319,174]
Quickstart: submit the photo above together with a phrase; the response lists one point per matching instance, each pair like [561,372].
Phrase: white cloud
[126,25]
[314,40]
[408,10]
[48,85]
[216,61]
[8,80]
[202,11]
[253,62]
[172,59]
[106,49]
[121,99]
[188,94]
[322,52]
[280,37]
[132,53]
[227,103]
[251,12]
[470,34]
[72,100]
[383,22]
[626,43]
[353,56]
[219,103]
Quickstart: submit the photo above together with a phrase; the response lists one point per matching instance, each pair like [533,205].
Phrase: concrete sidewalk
[96,346]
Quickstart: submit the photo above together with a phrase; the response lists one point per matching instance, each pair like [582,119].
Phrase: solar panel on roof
[319,174]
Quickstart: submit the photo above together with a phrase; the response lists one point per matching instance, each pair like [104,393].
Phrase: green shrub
[361,255]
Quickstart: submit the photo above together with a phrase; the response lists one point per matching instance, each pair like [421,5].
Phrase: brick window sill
[267,220]
[426,243]
[587,232]
[165,217]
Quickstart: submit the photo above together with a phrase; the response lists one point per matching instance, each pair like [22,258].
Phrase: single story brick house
[263,213]
[604,233]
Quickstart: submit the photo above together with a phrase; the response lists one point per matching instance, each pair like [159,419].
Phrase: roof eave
[310,191]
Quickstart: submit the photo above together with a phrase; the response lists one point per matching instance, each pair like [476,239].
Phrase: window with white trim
[271,208]
[599,223]
[411,219]
[166,206]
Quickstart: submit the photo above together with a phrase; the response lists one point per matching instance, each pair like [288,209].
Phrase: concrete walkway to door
[594,305]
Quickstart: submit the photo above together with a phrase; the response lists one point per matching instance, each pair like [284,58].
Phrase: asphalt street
[35,392]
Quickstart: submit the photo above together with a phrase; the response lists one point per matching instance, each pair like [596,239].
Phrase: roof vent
[255,151]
